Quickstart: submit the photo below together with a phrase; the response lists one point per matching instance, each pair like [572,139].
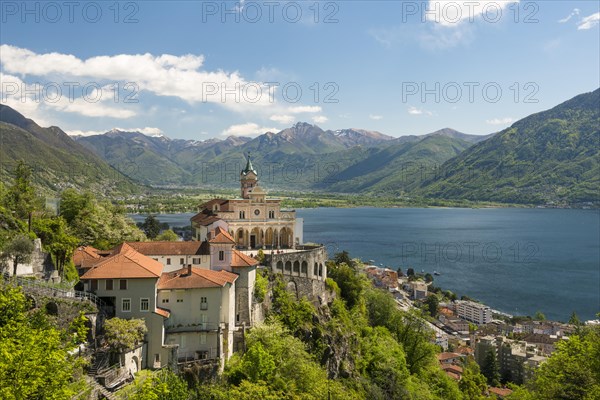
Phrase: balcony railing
[193,327]
[209,355]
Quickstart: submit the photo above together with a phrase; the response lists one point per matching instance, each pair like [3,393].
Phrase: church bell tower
[248,178]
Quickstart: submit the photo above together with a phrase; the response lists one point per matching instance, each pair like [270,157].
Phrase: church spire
[248,178]
[249,167]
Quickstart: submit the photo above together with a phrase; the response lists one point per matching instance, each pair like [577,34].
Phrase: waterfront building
[474,312]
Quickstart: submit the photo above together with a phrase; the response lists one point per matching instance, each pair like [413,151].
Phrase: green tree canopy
[490,368]
[124,334]
[18,250]
[151,227]
[168,236]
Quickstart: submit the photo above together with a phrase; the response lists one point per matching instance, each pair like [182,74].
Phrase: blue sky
[195,70]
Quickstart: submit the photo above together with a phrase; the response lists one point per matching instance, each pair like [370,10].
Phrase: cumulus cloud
[589,22]
[283,119]
[573,13]
[500,121]
[320,119]
[247,129]
[418,111]
[304,109]
[375,117]
[161,75]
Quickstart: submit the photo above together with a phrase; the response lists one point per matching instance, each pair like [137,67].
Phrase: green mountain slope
[549,157]
[396,168]
[57,161]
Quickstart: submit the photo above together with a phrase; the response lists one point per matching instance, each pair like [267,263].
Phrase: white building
[474,312]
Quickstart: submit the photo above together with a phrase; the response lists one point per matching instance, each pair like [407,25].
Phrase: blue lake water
[515,260]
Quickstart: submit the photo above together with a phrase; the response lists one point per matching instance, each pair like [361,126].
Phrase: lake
[517,261]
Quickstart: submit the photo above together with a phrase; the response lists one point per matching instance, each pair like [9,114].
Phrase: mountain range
[551,157]
[56,160]
[303,156]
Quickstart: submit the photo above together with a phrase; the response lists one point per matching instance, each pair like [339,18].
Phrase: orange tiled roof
[162,312]
[452,368]
[447,356]
[222,236]
[170,248]
[453,375]
[204,219]
[240,260]
[502,392]
[223,204]
[125,262]
[84,256]
[198,279]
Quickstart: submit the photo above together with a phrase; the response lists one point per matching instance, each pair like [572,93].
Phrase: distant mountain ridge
[551,157]
[56,159]
[301,147]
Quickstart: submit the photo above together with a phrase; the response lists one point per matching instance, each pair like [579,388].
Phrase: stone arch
[135,365]
[288,266]
[280,265]
[269,238]
[285,237]
[304,268]
[239,237]
[51,308]
[296,266]
[320,269]
[316,269]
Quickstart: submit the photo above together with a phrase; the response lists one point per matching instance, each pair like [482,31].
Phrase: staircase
[102,390]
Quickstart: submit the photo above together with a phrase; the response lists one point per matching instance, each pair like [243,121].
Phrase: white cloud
[500,121]
[454,12]
[418,111]
[283,119]
[320,119]
[574,13]
[247,129]
[589,22]
[375,117]
[304,109]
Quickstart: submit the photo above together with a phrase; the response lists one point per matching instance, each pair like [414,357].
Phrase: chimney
[189,269]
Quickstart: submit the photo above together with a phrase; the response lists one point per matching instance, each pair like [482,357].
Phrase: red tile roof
[204,219]
[162,312]
[85,256]
[198,279]
[170,248]
[125,262]
[447,356]
[502,392]
[240,260]
[223,205]
[222,236]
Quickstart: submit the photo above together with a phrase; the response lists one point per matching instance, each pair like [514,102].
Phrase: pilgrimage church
[253,220]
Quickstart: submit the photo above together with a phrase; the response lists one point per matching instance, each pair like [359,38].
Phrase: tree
[124,334]
[428,277]
[34,360]
[410,272]
[343,258]
[159,385]
[472,384]
[56,239]
[350,283]
[539,316]
[151,227]
[168,236]
[490,368]
[399,270]
[20,197]
[432,302]
[19,249]
[574,320]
